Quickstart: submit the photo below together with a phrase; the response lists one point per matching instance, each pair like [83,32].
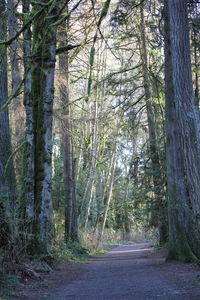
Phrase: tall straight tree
[14,47]
[28,104]
[183,135]
[7,175]
[43,71]
[67,146]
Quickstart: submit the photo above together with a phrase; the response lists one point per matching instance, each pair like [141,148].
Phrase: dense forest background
[99,125]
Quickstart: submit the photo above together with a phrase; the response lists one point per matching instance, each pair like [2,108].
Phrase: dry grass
[89,238]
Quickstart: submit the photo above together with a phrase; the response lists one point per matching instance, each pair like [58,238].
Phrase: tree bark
[183,137]
[7,174]
[14,47]
[71,233]
[28,103]
[196,64]
[43,69]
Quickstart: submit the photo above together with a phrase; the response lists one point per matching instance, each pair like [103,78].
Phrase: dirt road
[129,272]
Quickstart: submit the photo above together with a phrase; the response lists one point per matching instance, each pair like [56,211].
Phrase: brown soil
[129,272]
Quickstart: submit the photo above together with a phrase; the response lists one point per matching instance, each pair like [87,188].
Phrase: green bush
[72,251]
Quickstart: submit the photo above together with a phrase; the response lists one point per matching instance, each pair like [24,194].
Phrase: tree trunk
[91,194]
[43,52]
[126,221]
[7,174]
[14,47]
[183,137]
[28,103]
[71,233]
[196,65]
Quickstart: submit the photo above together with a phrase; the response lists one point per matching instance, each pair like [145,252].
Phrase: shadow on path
[129,272]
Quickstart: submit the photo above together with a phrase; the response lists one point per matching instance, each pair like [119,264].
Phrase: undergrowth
[72,251]
[8,282]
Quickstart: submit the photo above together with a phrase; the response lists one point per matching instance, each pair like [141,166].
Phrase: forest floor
[135,272]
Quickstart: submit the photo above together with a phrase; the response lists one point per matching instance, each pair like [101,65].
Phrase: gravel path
[135,272]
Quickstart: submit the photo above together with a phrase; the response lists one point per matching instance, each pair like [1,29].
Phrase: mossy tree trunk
[7,174]
[183,137]
[43,69]
[28,103]
[125,217]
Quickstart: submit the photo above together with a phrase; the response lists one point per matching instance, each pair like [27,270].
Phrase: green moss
[89,84]
[181,250]
[43,36]
[39,132]
[104,11]
[92,54]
